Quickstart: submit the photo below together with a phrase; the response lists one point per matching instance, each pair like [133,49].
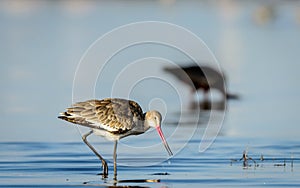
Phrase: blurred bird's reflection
[208,105]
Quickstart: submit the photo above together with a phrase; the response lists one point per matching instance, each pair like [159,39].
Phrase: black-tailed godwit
[113,119]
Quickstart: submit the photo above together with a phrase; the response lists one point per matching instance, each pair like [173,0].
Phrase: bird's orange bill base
[164,140]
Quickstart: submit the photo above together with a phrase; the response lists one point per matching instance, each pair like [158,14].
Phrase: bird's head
[153,119]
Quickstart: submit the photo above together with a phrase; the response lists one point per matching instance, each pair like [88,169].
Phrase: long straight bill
[164,140]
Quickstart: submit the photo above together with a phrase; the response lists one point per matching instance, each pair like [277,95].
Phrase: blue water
[256,43]
[29,164]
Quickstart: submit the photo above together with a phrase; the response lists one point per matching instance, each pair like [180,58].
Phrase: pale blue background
[43,41]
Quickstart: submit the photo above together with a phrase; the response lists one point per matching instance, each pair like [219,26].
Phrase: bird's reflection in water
[197,112]
[134,181]
[208,105]
[123,183]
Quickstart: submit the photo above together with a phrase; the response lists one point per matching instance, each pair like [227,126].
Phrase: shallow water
[72,164]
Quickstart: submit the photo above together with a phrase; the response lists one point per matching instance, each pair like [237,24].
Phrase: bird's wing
[113,115]
[180,74]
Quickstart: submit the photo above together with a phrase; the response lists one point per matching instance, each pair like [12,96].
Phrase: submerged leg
[115,160]
[104,164]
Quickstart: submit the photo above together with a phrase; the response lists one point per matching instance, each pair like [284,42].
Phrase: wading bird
[201,78]
[113,119]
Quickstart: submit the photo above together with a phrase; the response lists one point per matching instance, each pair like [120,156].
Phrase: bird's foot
[104,174]
[105,169]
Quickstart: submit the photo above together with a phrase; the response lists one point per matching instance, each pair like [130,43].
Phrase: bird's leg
[104,164]
[115,160]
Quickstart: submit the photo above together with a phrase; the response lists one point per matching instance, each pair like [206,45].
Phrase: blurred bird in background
[202,78]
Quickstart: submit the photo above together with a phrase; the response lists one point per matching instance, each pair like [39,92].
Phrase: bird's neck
[145,124]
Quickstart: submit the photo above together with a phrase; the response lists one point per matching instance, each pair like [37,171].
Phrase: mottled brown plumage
[113,115]
[113,119]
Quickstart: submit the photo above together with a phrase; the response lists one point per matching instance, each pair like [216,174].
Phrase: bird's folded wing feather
[113,115]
